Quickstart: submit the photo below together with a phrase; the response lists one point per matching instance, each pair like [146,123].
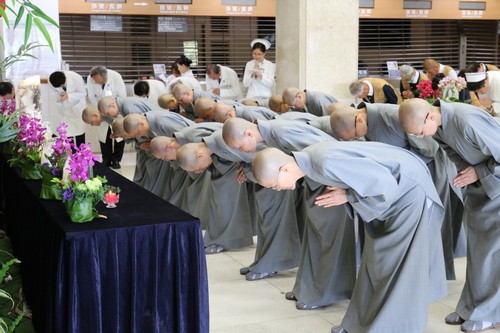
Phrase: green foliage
[33,16]
[7,130]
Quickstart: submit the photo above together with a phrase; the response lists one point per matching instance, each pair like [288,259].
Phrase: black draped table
[141,270]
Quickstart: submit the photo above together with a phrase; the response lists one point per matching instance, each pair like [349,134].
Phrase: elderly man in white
[106,82]
[223,81]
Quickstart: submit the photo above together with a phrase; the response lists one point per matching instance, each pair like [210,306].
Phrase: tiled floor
[237,305]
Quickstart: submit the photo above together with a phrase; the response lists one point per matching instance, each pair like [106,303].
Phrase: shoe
[338,329]
[116,165]
[478,326]
[244,270]
[107,163]
[290,296]
[214,248]
[454,319]
[253,276]
[302,306]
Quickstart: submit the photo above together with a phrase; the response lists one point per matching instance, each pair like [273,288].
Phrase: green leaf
[16,322]
[40,14]
[44,31]
[4,294]
[4,15]
[20,14]
[27,31]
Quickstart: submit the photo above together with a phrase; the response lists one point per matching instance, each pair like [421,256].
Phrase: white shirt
[70,110]
[452,73]
[493,91]
[229,84]
[156,88]
[114,86]
[258,87]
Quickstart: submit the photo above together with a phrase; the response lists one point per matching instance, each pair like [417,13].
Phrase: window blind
[222,40]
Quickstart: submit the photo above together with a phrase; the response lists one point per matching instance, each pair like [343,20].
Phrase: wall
[148,7]
[441,9]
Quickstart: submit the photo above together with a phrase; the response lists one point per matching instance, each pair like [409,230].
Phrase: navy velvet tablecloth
[141,270]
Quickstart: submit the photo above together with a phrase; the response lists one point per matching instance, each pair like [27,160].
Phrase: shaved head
[223,112]
[117,127]
[132,122]
[203,107]
[194,157]
[164,148]
[342,121]
[289,94]
[91,116]
[277,105]
[104,103]
[167,101]
[267,164]
[412,114]
[235,131]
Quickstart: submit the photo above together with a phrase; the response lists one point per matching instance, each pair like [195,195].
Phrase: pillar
[317,45]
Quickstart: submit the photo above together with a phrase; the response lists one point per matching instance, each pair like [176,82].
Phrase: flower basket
[81,210]
[50,190]
[30,170]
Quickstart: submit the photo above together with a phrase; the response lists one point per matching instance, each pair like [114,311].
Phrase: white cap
[265,42]
[475,77]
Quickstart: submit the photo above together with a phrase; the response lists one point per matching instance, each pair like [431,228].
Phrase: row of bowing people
[411,176]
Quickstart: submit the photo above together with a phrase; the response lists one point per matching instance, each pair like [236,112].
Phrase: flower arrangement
[81,191]
[426,91]
[28,146]
[450,88]
[58,153]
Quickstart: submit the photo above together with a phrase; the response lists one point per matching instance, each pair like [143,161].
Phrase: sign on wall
[108,23]
[172,24]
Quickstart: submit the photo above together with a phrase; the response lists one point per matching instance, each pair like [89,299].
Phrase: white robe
[229,84]
[70,110]
[257,87]
[114,86]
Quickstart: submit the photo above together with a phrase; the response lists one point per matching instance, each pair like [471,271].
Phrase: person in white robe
[68,92]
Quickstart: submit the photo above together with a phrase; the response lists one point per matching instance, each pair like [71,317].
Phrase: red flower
[426,90]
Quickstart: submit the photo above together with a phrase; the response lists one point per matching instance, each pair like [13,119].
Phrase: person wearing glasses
[259,75]
[106,82]
[410,77]
[380,123]
[314,102]
[223,81]
[374,90]
[327,269]
[433,68]
[470,136]
[392,192]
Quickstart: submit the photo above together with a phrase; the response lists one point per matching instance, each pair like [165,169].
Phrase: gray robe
[392,191]
[383,126]
[297,116]
[230,219]
[167,176]
[278,241]
[322,123]
[253,113]
[471,137]
[199,187]
[318,102]
[126,106]
[327,267]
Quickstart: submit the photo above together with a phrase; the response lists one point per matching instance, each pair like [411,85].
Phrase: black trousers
[111,150]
